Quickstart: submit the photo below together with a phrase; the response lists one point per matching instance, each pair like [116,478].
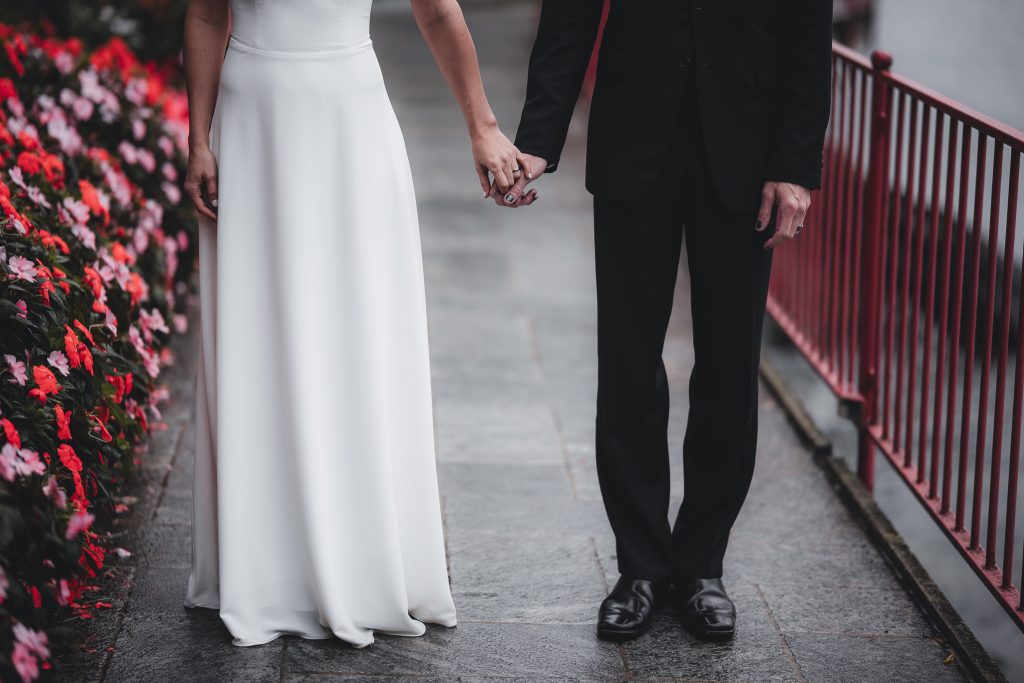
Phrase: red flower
[46,383]
[93,280]
[135,287]
[85,330]
[53,169]
[91,198]
[45,379]
[69,458]
[86,356]
[45,287]
[7,89]
[63,423]
[30,162]
[71,347]
[11,432]
[102,429]
[12,56]
[118,384]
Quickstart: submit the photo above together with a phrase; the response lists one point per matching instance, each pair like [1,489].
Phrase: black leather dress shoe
[705,608]
[628,610]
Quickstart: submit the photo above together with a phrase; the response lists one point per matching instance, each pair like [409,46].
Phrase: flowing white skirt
[316,509]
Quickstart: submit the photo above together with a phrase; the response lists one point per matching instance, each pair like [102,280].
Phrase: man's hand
[792,202]
[517,195]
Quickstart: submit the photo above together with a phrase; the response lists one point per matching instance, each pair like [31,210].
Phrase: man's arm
[558,63]
[794,167]
[805,95]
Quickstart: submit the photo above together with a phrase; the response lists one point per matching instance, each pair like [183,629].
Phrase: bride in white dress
[316,510]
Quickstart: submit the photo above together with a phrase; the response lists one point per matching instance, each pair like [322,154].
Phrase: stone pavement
[512,318]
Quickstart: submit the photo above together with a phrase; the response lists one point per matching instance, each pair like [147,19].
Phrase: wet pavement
[512,324]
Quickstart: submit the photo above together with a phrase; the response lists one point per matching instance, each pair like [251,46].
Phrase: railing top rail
[986,125]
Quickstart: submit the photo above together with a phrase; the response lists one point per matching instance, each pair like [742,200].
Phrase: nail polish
[509,198]
[759,226]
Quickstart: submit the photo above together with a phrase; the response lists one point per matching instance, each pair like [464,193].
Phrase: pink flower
[64,62]
[59,361]
[36,641]
[4,585]
[18,177]
[64,593]
[80,521]
[146,160]
[135,91]
[22,268]
[152,322]
[55,493]
[79,210]
[84,234]
[172,192]
[8,461]
[139,129]
[22,307]
[128,152]
[24,663]
[17,369]
[83,109]
[29,463]
[170,173]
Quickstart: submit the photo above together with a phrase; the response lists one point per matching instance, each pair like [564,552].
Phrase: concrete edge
[971,656]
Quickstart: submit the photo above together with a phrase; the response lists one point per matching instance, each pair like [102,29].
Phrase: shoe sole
[704,634]
[621,636]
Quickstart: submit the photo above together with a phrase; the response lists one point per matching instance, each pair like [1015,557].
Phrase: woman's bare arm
[444,28]
[207,25]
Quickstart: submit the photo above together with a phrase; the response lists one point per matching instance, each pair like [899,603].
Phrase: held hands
[532,168]
[496,157]
[792,202]
[201,181]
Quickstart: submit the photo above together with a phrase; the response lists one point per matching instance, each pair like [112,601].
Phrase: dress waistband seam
[339,51]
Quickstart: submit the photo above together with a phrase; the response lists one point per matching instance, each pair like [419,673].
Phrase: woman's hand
[201,181]
[495,154]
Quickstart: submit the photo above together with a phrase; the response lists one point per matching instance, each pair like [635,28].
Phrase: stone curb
[971,656]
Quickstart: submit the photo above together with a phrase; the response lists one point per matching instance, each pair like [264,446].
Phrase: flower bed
[96,250]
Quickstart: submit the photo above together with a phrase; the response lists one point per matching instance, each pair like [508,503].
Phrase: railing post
[871,274]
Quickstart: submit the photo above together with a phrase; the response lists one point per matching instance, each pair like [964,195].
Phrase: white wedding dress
[316,509]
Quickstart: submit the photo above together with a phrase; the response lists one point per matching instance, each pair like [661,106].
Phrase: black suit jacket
[763,80]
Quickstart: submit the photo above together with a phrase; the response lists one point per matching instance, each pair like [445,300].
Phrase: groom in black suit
[707,124]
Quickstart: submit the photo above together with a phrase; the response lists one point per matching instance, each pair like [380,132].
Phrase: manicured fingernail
[759,226]
[509,198]
[214,203]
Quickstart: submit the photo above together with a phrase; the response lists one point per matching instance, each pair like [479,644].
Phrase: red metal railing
[905,295]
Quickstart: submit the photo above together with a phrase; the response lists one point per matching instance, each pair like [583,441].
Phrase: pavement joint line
[108,653]
[971,657]
[623,653]
[782,636]
[854,634]
[444,536]
[281,666]
[167,474]
[538,358]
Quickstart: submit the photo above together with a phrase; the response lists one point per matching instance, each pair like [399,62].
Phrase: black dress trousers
[638,245]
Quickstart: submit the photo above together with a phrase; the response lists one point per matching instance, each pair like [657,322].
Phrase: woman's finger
[485,181]
[211,191]
[504,181]
[197,199]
